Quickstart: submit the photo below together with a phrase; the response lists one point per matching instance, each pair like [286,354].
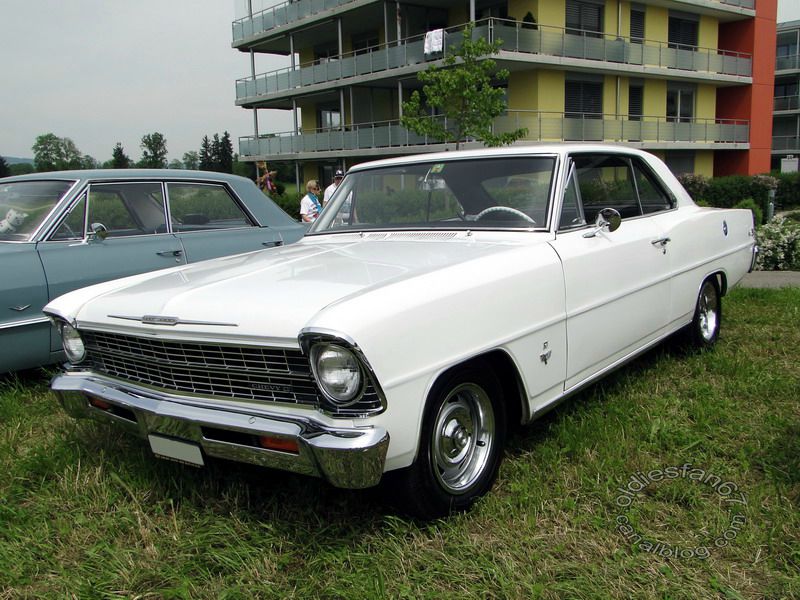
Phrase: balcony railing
[293,11]
[541,126]
[782,143]
[787,103]
[279,15]
[788,63]
[544,41]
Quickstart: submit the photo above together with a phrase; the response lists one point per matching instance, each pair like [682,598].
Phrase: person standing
[337,179]
[310,206]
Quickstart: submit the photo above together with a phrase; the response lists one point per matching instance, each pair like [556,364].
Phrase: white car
[438,300]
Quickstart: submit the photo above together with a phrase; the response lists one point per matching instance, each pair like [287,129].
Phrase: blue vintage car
[63,230]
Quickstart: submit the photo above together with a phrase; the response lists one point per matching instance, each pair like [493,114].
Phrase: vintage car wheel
[461,444]
[704,329]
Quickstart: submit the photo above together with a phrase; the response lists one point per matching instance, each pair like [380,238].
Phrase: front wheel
[461,445]
[704,328]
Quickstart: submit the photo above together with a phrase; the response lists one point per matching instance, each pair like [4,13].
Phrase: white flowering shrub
[779,245]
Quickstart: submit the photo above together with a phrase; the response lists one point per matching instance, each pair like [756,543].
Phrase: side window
[125,209]
[652,196]
[71,227]
[606,181]
[198,206]
[571,209]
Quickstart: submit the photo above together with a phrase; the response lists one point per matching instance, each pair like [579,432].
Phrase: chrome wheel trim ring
[708,311]
[463,438]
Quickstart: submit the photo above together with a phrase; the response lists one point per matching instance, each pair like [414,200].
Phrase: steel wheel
[463,438]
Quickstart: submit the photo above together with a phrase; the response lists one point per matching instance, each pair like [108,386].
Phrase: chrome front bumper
[345,457]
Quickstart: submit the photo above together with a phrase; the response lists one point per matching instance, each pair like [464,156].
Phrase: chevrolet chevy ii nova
[64,230]
[437,301]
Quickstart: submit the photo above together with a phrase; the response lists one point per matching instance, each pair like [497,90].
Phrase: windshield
[506,192]
[24,205]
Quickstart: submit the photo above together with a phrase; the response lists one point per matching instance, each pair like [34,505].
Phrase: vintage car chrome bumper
[345,457]
[754,258]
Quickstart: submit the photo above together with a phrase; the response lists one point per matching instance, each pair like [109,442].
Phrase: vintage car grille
[241,372]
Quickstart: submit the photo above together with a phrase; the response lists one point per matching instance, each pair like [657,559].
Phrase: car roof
[117,174]
[527,150]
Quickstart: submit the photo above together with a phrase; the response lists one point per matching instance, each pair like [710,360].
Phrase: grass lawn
[85,512]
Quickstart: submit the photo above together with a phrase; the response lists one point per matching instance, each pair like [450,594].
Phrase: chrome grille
[241,372]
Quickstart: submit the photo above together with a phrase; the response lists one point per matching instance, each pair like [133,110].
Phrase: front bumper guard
[345,457]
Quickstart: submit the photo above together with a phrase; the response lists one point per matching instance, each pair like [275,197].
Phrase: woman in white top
[310,206]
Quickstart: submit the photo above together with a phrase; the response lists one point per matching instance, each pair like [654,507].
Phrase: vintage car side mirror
[99,231]
[608,219]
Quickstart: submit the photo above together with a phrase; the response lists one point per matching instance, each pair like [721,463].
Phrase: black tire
[703,331]
[461,445]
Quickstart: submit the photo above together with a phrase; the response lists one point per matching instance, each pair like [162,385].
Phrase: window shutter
[637,25]
[635,102]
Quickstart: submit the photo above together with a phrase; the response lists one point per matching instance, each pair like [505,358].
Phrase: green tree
[226,153]
[462,92]
[191,160]
[20,169]
[175,164]
[4,170]
[120,160]
[154,151]
[206,163]
[216,151]
[52,153]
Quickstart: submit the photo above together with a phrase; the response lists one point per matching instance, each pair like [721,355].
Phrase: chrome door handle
[272,243]
[662,243]
[170,253]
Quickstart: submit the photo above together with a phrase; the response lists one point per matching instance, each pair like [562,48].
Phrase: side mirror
[608,219]
[99,231]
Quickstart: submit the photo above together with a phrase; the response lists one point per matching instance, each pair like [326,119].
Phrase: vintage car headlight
[73,343]
[337,372]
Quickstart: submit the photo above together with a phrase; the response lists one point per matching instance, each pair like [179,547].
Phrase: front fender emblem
[20,307]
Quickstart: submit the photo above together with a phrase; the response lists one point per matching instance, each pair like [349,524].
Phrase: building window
[583,99]
[683,32]
[635,102]
[329,118]
[680,104]
[680,162]
[485,9]
[364,42]
[637,25]
[584,18]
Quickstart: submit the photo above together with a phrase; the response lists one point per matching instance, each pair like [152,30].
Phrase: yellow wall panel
[551,12]
[551,91]
[655,98]
[518,8]
[523,90]
[610,96]
[610,17]
[625,22]
[704,163]
[708,32]
[656,24]
[706,107]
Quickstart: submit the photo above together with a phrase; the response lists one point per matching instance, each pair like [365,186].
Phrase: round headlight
[73,344]
[337,371]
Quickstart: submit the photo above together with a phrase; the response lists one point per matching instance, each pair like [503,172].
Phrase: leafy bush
[779,245]
[695,185]
[787,195]
[290,203]
[758,215]
[727,192]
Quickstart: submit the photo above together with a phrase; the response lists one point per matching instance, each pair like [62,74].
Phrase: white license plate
[182,452]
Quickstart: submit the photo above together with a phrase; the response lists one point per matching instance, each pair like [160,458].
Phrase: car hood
[271,294]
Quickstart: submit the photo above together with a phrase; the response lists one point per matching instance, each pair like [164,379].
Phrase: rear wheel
[704,328]
[461,445]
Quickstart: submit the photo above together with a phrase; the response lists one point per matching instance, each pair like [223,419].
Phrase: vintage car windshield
[24,205]
[507,192]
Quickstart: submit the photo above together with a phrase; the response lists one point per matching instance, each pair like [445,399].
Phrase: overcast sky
[102,72]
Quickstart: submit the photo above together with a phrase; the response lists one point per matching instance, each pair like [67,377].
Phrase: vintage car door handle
[662,243]
[272,243]
[170,252]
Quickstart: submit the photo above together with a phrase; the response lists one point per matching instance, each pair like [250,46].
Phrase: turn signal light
[280,444]
[97,403]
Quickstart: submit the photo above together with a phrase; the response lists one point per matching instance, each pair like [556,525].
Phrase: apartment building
[786,119]
[689,80]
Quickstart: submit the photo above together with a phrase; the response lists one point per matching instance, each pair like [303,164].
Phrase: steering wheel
[506,209]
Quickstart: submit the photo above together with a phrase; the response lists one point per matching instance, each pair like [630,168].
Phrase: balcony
[280,15]
[542,45]
[290,12]
[782,144]
[788,63]
[392,137]
[786,103]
